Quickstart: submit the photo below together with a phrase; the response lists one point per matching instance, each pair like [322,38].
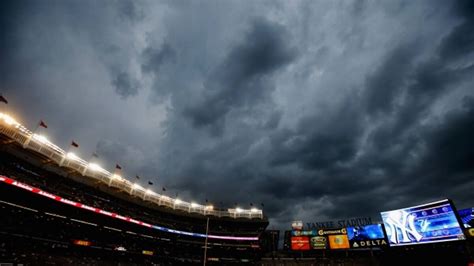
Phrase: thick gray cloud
[154,58]
[124,85]
[318,109]
[242,79]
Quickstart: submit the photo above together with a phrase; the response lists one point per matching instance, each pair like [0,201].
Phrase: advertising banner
[367,236]
[300,243]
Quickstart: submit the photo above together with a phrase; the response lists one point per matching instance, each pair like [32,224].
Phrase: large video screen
[467,217]
[428,223]
[366,236]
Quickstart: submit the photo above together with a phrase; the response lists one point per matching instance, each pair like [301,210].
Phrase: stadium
[59,209]
[267,133]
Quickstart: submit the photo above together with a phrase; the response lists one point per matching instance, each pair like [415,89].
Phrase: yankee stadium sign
[358,221]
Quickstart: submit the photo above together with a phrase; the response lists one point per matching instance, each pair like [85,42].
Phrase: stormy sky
[318,109]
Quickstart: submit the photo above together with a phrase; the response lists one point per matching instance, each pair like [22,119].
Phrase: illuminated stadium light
[239,210]
[40,138]
[254,210]
[194,205]
[137,186]
[9,120]
[149,191]
[209,207]
[115,176]
[120,248]
[95,167]
[71,155]
[177,201]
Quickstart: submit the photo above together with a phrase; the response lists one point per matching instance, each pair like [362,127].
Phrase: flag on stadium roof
[137,177]
[251,204]
[74,144]
[163,188]
[150,183]
[262,204]
[3,99]
[117,166]
[43,124]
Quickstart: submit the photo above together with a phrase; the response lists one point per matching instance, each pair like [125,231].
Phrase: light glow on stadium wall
[38,191]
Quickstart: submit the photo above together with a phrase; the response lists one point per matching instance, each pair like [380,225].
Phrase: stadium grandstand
[59,209]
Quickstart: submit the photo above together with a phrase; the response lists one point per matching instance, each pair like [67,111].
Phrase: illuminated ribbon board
[43,193]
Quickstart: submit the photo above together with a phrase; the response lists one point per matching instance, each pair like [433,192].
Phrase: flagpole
[205,242]
[36,128]
[91,157]
[2,99]
[27,142]
[69,149]
[29,138]
[65,155]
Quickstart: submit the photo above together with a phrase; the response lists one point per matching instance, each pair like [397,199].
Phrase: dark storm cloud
[428,81]
[460,42]
[318,109]
[450,136]
[386,83]
[321,141]
[155,58]
[242,79]
[131,10]
[125,85]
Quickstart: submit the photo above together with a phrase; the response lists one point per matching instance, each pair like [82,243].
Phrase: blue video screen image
[467,217]
[367,232]
[428,223]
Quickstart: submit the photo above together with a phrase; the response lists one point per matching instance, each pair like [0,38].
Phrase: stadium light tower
[208,208]
[176,202]
[94,167]
[148,192]
[40,138]
[113,177]
[72,156]
[9,120]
